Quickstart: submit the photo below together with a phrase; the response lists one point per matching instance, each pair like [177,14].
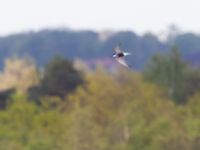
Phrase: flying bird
[119,56]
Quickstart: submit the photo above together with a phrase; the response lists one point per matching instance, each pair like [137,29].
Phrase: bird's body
[119,56]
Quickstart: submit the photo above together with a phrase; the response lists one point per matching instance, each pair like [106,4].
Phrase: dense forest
[66,105]
[90,46]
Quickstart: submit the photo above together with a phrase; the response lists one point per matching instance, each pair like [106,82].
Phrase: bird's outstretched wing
[122,61]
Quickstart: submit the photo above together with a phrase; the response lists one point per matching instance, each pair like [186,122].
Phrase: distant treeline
[87,45]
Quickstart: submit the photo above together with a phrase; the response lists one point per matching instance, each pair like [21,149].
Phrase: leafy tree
[25,125]
[19,73]
[192,82]
[60,78]
[128,112]
[170,72]
[110,111]
[193,114]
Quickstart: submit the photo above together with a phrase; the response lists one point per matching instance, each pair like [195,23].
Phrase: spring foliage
[119,111]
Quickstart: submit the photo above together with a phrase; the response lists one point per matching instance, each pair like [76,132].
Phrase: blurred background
[61,89]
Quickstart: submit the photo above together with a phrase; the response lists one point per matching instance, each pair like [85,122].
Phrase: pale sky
[139,16]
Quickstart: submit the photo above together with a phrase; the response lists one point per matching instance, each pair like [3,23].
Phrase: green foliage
[60,78]
[129,112]
[171,73]
[24,125]
[19,73]
[192,81]
[120,111]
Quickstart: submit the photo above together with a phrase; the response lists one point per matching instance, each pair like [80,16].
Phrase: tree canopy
[60,78]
